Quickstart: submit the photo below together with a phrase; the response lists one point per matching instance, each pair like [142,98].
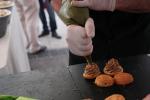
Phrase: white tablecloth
[13,56]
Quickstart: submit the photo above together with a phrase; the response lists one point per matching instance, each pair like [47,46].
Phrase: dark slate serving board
[138,66]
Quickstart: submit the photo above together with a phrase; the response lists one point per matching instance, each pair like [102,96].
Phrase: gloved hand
[80,38]
[108,5]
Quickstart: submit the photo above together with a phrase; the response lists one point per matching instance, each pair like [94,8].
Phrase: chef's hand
[101,5]
[79,38]
[147,97]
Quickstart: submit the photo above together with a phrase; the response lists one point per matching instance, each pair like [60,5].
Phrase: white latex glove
[79,38]
[147,97]
[101,5]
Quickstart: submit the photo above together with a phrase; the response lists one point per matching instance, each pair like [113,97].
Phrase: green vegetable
[6,97]
[73,15]
[25,98]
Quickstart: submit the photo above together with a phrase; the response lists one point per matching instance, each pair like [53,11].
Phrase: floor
[56,54]
[57,51]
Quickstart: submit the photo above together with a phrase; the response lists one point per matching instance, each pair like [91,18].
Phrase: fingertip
[88,52]
[72,3]
[90,27]
[90,19]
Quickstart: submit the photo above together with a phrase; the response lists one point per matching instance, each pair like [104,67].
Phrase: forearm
[137,6]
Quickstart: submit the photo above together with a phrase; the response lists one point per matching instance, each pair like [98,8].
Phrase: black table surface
[138,66]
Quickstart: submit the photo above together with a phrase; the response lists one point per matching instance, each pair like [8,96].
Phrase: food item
[91,71]
[112,67]
[123,78]
[8,97]
[104,80]
[115,97]
[73,15]
[4,12]
[6,4]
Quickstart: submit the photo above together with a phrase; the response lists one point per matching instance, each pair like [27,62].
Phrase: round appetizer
[104,81]
[123,78]
[91,71]
[112,67]
[115,97]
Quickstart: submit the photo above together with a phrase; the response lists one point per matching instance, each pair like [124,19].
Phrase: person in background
[28,11]
[45,4]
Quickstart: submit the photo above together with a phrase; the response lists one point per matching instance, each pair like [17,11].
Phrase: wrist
[111,5]
[108,5]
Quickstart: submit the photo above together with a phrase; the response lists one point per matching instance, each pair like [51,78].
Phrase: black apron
[118,34]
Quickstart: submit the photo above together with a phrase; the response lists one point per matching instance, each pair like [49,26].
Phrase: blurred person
[28,11]
[45,4]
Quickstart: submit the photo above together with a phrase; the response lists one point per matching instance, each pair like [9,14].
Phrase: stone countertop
[70,85]
[138,66]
